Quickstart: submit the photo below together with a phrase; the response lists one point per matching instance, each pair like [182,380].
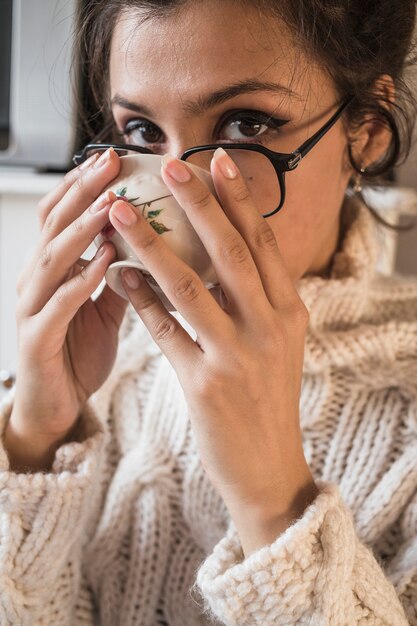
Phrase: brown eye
[251,125]
[248,128]
[142,132]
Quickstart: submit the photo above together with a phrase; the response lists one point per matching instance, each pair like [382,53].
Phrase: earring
[358,187]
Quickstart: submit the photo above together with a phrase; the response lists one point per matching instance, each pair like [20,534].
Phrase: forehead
[201,47]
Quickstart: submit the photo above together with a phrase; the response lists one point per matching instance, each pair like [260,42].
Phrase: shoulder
[392,311]
[389,325]
[393,299]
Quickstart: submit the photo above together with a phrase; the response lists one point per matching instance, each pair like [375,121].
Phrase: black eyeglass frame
[282,162]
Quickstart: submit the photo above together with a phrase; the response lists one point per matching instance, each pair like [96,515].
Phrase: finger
[81,194]
[110,305]
[173,340]
[245,216]
[44,207]
[85,188]
[25,274]
[61,254]
[178,281]
[46,204]
[229,252]
[67,300]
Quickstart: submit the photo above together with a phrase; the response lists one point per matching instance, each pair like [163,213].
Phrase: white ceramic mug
[140,182]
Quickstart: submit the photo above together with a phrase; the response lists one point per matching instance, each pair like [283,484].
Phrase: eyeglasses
[263,169]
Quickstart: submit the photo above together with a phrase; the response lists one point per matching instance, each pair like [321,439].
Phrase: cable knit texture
[127,530]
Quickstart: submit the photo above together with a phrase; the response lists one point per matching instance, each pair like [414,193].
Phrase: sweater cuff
[72,456]
[279,583]
[44,515]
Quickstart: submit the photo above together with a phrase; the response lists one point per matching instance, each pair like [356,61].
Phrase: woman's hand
[66,341]
[242,377]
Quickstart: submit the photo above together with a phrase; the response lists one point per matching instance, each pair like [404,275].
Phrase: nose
[177,150]
[184,140]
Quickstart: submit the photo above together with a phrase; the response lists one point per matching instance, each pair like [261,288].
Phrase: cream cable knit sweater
[127,530]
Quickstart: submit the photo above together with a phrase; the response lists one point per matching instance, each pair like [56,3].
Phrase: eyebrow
[202,104]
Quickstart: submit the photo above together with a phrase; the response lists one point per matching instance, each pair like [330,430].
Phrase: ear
[371,140]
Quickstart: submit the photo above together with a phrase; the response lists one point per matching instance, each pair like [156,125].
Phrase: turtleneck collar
[338,301]
[347,310]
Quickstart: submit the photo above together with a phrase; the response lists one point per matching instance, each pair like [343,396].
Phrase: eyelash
[253,117]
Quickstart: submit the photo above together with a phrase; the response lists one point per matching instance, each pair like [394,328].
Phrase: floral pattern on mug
[159,227]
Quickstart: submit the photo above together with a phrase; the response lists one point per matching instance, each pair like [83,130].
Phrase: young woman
[246,463]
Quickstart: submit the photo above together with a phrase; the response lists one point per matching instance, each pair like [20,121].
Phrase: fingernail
[103,202]
[132,278]
[89,162]
[175,168]
[103,159]
[124,213]
[226,165]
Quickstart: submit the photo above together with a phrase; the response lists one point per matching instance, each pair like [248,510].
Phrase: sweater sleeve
[402,567]
[317,573]
[42,519]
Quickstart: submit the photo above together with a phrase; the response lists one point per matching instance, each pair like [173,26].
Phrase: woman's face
[164,64]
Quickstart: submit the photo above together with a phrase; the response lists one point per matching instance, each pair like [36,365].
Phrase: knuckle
[235,249]
[202,200]
[49,221]
[241,194]
[165,329]
[62,295]
[82,188]
[187,288]
[149,241]
[71,176]
[78,226]
[298,313]
[42,208]
[79,184]
[146,302]
[46,256]
[84,274]
[264,236]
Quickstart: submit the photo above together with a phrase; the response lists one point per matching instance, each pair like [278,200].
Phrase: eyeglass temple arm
[95,140]
[305,148]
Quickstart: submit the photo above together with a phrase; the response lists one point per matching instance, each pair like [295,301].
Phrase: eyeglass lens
[120,152]
[256,169]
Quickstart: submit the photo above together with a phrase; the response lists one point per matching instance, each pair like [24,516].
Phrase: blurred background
[40,131]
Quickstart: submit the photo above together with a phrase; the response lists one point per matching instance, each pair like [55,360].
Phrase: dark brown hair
[355,41]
